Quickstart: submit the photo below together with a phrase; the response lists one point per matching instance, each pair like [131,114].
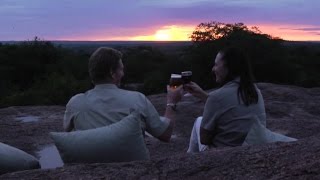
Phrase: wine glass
[186,78]
[175,81]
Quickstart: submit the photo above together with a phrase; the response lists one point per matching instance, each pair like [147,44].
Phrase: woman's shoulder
[223,92]
[216,95]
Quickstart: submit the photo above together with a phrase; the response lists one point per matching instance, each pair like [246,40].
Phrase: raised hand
[196,90]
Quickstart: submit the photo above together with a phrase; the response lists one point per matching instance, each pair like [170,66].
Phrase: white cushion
[259,134]
[13,159]
[118,142]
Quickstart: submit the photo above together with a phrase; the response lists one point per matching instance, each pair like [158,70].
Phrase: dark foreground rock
[298,160]
[291,110]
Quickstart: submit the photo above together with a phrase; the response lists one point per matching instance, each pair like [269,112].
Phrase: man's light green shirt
[106,104]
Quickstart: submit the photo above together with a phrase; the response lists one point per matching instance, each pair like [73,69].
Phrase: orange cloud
[290,32]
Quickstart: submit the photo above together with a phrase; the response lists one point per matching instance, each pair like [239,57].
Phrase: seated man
[106,103]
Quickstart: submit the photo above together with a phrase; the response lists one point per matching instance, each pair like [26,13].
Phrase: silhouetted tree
[267,53]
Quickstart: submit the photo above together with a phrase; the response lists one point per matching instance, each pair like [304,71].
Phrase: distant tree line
[39,73]
[36,72]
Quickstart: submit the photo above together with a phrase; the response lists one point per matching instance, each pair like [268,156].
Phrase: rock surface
[293,111]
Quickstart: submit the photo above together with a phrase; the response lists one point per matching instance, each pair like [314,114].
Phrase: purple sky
[87,19]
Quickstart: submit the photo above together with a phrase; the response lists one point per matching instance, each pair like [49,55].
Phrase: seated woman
[229,110]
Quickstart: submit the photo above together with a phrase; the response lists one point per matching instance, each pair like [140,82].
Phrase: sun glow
[168,33]
[162,35]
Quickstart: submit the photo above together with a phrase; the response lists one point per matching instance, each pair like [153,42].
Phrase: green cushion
[13,159]
[118,142]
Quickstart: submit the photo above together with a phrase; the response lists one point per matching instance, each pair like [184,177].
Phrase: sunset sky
[152,19]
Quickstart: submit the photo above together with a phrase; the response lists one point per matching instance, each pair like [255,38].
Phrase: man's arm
[173,97]
[68,127]
[68,124]
[72,111]
[170,115]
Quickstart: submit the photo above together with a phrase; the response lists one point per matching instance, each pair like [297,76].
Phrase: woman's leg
[194,144]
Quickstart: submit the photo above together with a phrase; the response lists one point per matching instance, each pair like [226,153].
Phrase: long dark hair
[239,66]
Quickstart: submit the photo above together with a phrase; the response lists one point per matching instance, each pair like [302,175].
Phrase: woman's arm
[205,136]
[196,91]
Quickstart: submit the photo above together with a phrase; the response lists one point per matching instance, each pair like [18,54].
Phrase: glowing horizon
[182,33]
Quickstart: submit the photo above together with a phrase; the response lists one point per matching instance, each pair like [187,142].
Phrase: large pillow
[259,134]
[13,159]
[118,142]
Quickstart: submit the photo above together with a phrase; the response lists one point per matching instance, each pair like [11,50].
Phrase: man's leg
[194,144]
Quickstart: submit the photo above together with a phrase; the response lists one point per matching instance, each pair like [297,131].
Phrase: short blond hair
[102,63]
